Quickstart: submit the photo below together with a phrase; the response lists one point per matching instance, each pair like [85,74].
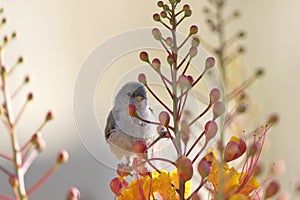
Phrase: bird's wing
[110,125]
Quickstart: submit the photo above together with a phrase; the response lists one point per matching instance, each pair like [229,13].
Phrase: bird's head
[131,93]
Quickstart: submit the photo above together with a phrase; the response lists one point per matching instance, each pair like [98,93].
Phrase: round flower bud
[242,108]
[27,79]
[30,96]
[73,194]
[241,34]
[40,145]
[62,157]
[205,165]
[193,30]
[131,109]
[160,4]
[183,82]
[164,118]
[272,189]
[20,60]
[117,185]
[195,42]
[259,72]
[193,52]
[186,7]
[241,49]
[156,34]
[218,109]
[210,130]
[190,79]
[156,64]
[188,13]
[35,138]
[163,14]
[206,10]
[273,119]
[49,116]
[3,21]
[144,56]
[156,17]
[234,149]
[13,35]
[209,63]
[214,95]
[172,1]
[236,13]
[184,168]
[170,59]
[142,78]
[140,148]
[166,7]
[169,41]
[258,169]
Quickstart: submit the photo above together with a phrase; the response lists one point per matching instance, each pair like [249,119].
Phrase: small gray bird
[122,130]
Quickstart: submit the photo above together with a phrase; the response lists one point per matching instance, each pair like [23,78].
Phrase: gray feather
[110,125]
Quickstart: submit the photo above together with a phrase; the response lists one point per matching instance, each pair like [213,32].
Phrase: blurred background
[55,37]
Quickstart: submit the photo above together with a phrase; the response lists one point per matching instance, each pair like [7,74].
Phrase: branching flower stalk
[23,155]
[217,174]
[227,52]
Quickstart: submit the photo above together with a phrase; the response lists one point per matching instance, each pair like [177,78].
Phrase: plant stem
[220,55]
[175,96]
[17,154]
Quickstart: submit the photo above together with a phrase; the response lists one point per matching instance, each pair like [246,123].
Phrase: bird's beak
[140,97]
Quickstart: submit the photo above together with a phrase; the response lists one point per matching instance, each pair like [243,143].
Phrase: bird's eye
[129,94]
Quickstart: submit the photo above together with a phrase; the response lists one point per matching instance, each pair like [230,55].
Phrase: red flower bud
[144,56]
[156,34]
[214,95]
[169,41]
[234,149]
[132,110]
[117,185]
[205,165]
[170,59]
[210,62]
[195,42]
[156,64]
[193,30]
[156,17]
[62,157]
[142,78]
[272,189]
[218,109]
[185,168]
[210,130]
[193,52]
[164,118]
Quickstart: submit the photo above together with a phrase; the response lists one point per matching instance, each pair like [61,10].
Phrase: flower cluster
[196,168]
[23,155]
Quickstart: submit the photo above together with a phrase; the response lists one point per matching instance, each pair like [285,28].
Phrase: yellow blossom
[235,184]
[162,185]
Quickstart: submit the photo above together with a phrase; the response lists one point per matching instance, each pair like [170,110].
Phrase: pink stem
[6,156]
[194,144]
[4,197]
[199,116]
[160,101]
[43,179]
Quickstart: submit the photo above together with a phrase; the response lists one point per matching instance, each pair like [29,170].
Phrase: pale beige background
[56,36]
